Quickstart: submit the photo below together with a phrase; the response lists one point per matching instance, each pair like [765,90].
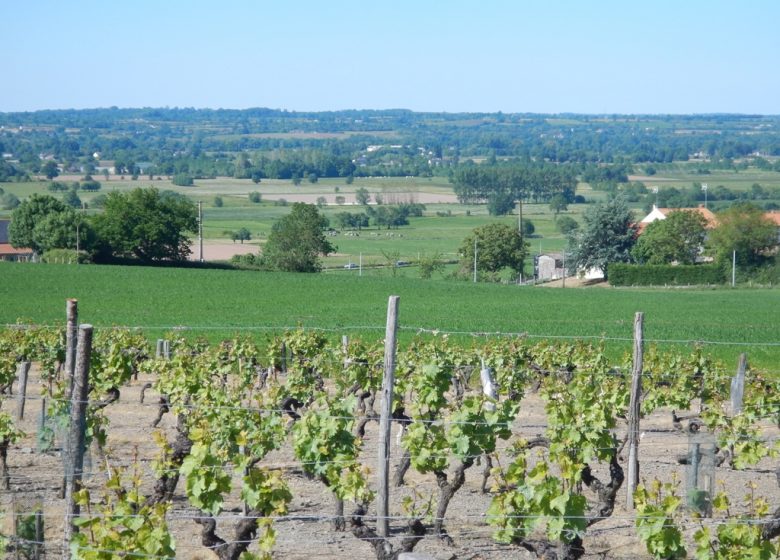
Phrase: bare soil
[222,251]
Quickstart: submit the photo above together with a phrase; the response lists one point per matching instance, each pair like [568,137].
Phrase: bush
[247,261]
[182,180]
[566,225]
[8,201]
[99,201]
[90,186]
[501,204]
[218,203]
[56,186]
[621,274]
[255,197]
[65,256]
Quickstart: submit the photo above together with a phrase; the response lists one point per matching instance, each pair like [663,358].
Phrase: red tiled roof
[7,249]
[706,213]
[773,216]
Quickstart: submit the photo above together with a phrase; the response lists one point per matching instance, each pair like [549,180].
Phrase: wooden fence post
[72,313]
[23,369]
[633,411]
[738,385]
[383,467]
[74,462]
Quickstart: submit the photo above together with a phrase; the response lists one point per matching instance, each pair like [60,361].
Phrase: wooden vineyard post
[72,313]
[383,467]
[74,462]
[22,372]
[345,350]
[738,385]
[633,411]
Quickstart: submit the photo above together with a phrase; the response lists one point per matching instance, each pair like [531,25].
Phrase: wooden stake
[72,314]
[22,371]
[633,411]
[738,385]
[383,466]
[75,450]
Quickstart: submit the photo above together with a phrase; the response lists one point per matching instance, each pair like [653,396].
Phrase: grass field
[424,236]
[218,303]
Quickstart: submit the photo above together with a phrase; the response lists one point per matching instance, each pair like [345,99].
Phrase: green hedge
[65,256]
[665,275]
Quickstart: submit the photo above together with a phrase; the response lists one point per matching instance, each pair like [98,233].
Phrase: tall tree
[743,228]
[679,238]
[50,169]
[607,237]
[361,196]
[297,241]
[26,229]
[146,224]
[499,246]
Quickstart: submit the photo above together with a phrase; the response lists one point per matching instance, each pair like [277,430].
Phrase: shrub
[8,201]
[182,180]
[90,185]
[621,274]
[566,225]
[65,256]
[255,197]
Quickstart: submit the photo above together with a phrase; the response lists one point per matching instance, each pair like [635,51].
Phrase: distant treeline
[283,144]
[502,184]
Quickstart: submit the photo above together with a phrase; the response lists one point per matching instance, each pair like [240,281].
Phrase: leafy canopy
[499,246]
[147,224]
[680,237]
[607,236]
[743,228]
[43,223]
[297,240]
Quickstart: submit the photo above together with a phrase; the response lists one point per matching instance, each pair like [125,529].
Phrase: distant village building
[774,217]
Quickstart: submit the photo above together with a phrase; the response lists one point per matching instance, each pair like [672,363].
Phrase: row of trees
[501,185]
[610,235]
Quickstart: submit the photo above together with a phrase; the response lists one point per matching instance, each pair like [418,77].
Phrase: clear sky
[553,56]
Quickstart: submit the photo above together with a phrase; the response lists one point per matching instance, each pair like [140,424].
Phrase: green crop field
[218,303]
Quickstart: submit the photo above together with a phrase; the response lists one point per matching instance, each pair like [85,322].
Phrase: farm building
[663,213]
[7,251]
[548,266]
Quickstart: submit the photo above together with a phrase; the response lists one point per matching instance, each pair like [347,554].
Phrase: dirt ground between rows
[36,478]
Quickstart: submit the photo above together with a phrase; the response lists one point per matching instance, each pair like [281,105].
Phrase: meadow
[439,232]
[219,303]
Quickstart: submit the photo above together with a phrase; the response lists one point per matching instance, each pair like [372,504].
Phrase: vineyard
[310,447]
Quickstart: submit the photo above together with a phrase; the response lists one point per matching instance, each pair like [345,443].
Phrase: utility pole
[733,268]
[475,260]
[200,230]
[704,188]
[564,269]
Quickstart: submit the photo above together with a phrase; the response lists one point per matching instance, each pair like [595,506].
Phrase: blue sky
[683,56]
